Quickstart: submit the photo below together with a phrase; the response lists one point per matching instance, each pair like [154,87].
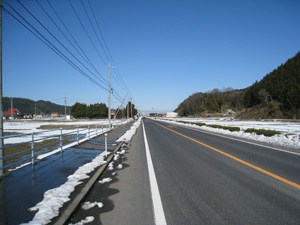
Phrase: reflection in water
[25,187]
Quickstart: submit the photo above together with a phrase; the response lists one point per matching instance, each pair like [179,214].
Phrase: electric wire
[86,32]
[62,44]
[86,57]
[48,43]
[56,25]
[94,30]
[56,50]
[112,59]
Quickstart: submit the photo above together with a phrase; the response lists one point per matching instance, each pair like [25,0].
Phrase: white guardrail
[40,145]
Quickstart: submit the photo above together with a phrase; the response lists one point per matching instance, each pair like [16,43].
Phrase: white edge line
[159,214]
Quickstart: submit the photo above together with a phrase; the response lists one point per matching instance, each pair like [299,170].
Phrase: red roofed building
[12,112]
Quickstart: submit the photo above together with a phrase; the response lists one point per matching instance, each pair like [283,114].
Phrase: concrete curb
[68,212]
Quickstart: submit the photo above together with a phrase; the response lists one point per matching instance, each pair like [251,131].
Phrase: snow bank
[129,134]
[290,141]
[54,198]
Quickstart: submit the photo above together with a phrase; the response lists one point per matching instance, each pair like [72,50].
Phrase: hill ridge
[27,106]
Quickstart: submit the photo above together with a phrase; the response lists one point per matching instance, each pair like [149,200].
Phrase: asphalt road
[202,179]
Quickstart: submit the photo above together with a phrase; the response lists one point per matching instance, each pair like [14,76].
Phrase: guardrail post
[60,140]
[77,135]
[32,150]
[96,128]
[89,135]
[105,144]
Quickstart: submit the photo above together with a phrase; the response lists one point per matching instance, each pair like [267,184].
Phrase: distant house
[55,115]
[39,116]
[12,112]
[172,114]
[27,116]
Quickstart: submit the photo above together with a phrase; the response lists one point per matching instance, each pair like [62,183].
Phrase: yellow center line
[237,159]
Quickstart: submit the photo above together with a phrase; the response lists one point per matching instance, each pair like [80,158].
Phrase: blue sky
[165,50]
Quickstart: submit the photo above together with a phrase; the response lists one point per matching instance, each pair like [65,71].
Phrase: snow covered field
[282,126]
[289,137]
[29,126]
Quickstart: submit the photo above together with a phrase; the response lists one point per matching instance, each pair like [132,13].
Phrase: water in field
[24,188]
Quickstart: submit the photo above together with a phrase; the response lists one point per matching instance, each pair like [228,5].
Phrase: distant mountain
[27,106]
[277,95]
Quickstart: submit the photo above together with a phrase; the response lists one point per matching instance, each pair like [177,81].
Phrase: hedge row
[213,126]
[199,124]
[225,128]
[267,133]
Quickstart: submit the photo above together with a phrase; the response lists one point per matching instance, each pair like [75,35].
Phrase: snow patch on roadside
[54,198]
[105,180]
[89,205]
[88,219]
[111,166]
[120,166]
[129,134]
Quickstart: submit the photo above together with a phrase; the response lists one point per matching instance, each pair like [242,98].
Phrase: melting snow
[89,205]
[54,198]
[105,180]
[120,166]
[88,219]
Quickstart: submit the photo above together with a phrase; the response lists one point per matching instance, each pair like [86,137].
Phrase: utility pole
[1,98]
[109,97]
[131,107]
[11,109]
[128,108]
[66,107]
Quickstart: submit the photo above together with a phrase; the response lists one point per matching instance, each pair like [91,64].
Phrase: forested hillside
[27,106]
[215,101]
[277,95]
[279,88]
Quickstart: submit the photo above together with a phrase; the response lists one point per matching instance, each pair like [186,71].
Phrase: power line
[111,58]
[52,20]
[60,42]
[94,30]
[86,32]
[48,43]
[86,57]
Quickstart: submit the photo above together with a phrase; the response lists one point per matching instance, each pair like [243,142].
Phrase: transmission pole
[11,109]
[1,99]
[131,107]
[109,99]
[109,96]
[128,108]
[66,107]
